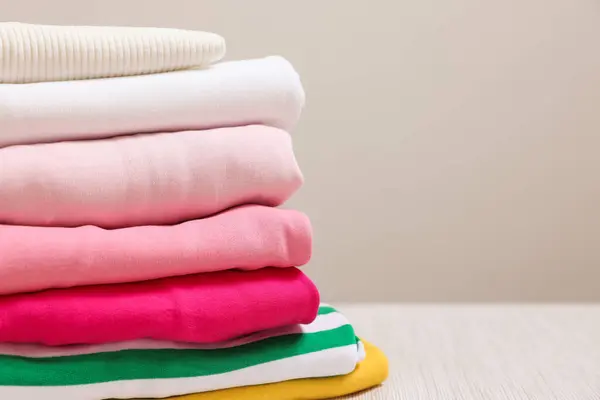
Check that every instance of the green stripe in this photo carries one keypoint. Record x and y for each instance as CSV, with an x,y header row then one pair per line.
x,y
326,310
164,363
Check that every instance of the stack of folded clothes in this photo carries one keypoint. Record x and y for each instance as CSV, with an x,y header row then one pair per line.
x,y
141,253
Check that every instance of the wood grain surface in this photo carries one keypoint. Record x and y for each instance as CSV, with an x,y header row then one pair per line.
x,y
495,352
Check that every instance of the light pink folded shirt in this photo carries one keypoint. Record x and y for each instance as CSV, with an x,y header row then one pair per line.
x,y
247,237
146,179
201,308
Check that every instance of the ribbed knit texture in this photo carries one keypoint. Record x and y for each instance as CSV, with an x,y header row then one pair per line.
x,y
37,53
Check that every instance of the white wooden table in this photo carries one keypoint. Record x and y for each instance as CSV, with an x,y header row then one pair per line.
x,y
491,352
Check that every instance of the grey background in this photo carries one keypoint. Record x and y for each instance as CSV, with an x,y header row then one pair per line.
x,y
451,148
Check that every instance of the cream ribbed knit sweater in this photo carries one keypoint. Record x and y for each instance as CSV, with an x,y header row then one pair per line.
x,y
36,53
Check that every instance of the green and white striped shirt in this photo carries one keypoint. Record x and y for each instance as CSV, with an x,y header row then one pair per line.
x,y
145,368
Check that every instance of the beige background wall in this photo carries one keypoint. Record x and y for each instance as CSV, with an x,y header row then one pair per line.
x,y
451,147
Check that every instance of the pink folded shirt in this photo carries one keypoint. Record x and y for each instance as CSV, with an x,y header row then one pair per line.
x,y
247,237
146,179
201,308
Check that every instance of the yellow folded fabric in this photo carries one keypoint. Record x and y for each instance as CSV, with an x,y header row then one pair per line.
x,y
370,372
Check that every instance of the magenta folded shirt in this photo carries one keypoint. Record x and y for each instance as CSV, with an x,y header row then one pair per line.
x,y
201,308
247,237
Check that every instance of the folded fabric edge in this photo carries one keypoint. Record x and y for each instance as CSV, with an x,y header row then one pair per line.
x,y
369,373
26,245
323,363
328,318
198,48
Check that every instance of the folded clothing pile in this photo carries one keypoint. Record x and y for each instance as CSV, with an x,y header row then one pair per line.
x,y
141,251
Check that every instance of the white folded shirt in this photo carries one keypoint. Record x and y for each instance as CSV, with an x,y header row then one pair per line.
x,y
264,91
